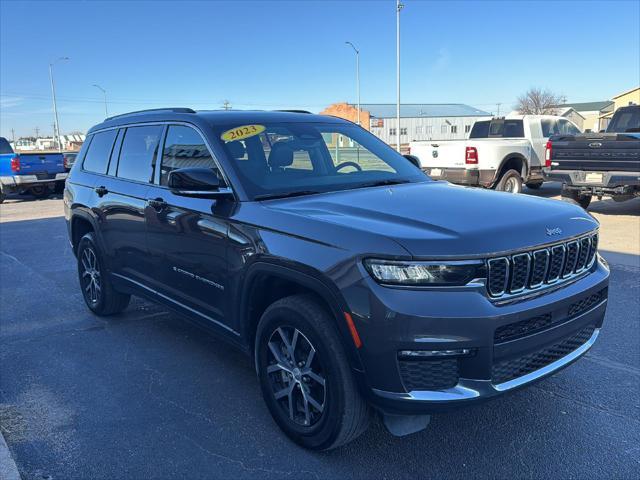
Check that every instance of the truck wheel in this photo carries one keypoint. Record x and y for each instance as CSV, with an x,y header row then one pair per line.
x,y
511,181
2,195
97,290
305,377
574,196
39,191
534,186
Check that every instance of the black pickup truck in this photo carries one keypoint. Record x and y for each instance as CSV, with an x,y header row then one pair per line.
x,y
598,164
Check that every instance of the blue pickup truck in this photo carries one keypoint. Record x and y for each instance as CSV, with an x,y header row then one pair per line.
x,y
34,173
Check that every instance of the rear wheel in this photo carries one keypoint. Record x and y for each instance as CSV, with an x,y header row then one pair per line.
x,y
97,290
511,181
305,377
2,194
574,196
39,191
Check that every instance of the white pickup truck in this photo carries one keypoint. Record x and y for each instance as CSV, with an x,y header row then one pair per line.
x,y
502,153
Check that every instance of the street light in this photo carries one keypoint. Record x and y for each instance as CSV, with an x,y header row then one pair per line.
x,y
104,92
357,75
56,124
399,7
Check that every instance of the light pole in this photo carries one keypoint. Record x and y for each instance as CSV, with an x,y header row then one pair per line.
x,y
399,7
55,107
104,92
357,75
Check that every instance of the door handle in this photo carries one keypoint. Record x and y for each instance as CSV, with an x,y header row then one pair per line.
x,y
101,191
158,204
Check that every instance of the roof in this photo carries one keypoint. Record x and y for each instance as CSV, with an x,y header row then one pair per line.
x,y
416,110
212,117
627,92
588,106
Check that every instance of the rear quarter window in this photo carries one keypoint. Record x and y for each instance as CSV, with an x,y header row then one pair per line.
x,y
99,151
5,147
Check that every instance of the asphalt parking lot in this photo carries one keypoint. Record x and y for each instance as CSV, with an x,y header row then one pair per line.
x,y
147,395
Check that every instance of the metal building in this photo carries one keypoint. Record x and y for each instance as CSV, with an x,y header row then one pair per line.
x,y
447,121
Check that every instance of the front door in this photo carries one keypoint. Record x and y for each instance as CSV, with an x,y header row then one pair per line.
x,y
186,236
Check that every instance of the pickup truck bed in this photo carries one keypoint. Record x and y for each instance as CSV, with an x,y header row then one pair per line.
x,y
35,173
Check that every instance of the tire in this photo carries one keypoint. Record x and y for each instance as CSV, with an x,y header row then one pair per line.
x,y
574,196
97,290
39,191
511,181
2,195
344,415
59,188
534,186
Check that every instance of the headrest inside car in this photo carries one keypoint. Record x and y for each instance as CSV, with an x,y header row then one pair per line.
x,y
281,155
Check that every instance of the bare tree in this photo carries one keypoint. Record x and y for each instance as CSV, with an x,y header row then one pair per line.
x,y
537,101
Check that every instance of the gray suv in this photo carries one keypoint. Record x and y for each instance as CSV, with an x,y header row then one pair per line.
x,y
355,282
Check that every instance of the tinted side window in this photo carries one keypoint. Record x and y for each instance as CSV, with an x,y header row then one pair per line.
x,y
97,157
549,128
4,146
565,127
139,148
184,148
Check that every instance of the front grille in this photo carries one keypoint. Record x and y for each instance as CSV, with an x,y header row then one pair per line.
x,y
522,328
531,270
428,374
587,303
518,367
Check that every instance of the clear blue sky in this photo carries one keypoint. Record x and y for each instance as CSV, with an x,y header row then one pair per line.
x,y
292,54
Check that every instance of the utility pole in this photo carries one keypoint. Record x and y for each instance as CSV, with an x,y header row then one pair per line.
x,y
357,75
226,105
104,92
56,128
37,132
399,7
13,136
498,114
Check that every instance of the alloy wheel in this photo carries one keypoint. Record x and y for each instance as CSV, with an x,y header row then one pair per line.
x,y
90,275
296,376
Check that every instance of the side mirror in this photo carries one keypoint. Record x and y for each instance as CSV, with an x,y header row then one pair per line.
x,y
196,182
413,159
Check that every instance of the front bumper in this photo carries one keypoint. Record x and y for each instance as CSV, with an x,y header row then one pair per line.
x,y
464,319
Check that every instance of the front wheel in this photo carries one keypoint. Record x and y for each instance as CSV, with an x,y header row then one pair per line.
x,y
305,377
574,196
511,181
97,291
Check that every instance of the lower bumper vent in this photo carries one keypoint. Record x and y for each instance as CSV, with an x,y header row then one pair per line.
x,y
518,367
428,374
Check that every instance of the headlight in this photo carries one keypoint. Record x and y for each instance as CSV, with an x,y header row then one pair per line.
x,y
424,273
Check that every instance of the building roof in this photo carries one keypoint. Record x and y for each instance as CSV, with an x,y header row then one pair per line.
x,y
627,92
588,106
417,110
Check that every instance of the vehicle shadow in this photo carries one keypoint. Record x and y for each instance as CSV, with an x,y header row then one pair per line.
x,y
19,198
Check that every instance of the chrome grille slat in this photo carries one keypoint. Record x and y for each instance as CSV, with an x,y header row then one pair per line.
x,y
535,269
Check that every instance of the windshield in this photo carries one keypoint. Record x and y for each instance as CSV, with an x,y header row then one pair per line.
x,y
281,159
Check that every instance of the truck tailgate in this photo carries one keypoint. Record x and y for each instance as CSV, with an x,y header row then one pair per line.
x,y
607,152
43,165
443,154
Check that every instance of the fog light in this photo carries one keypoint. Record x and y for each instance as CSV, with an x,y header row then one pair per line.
x,y
460,352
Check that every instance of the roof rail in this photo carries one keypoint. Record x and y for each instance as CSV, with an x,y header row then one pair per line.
x,y
169,109
294,111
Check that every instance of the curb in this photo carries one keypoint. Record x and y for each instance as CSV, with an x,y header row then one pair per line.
x,y
8,469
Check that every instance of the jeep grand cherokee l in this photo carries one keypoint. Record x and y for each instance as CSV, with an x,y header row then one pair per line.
x,y
355,282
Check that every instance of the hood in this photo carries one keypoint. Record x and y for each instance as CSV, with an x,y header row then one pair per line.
x,y
437,219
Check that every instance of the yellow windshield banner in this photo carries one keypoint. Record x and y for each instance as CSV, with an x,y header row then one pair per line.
x,y
240,133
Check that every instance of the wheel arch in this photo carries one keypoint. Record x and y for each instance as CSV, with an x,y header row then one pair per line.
x,y
80,224
266,282
515,161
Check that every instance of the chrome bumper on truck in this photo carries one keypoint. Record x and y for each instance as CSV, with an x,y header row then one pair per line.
x,y
24,181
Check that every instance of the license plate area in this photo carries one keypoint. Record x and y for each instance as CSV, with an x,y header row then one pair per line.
x,y
592,177
436,172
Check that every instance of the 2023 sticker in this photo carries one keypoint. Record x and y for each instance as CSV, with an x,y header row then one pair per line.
x,y
240,133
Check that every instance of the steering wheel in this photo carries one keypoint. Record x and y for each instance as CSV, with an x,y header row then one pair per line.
x,y
348,164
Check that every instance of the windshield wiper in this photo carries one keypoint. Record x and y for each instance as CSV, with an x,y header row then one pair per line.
x,y
381,183
295,193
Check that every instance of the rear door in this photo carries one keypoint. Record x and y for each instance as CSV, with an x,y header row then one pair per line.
x,y
187,236
122,196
